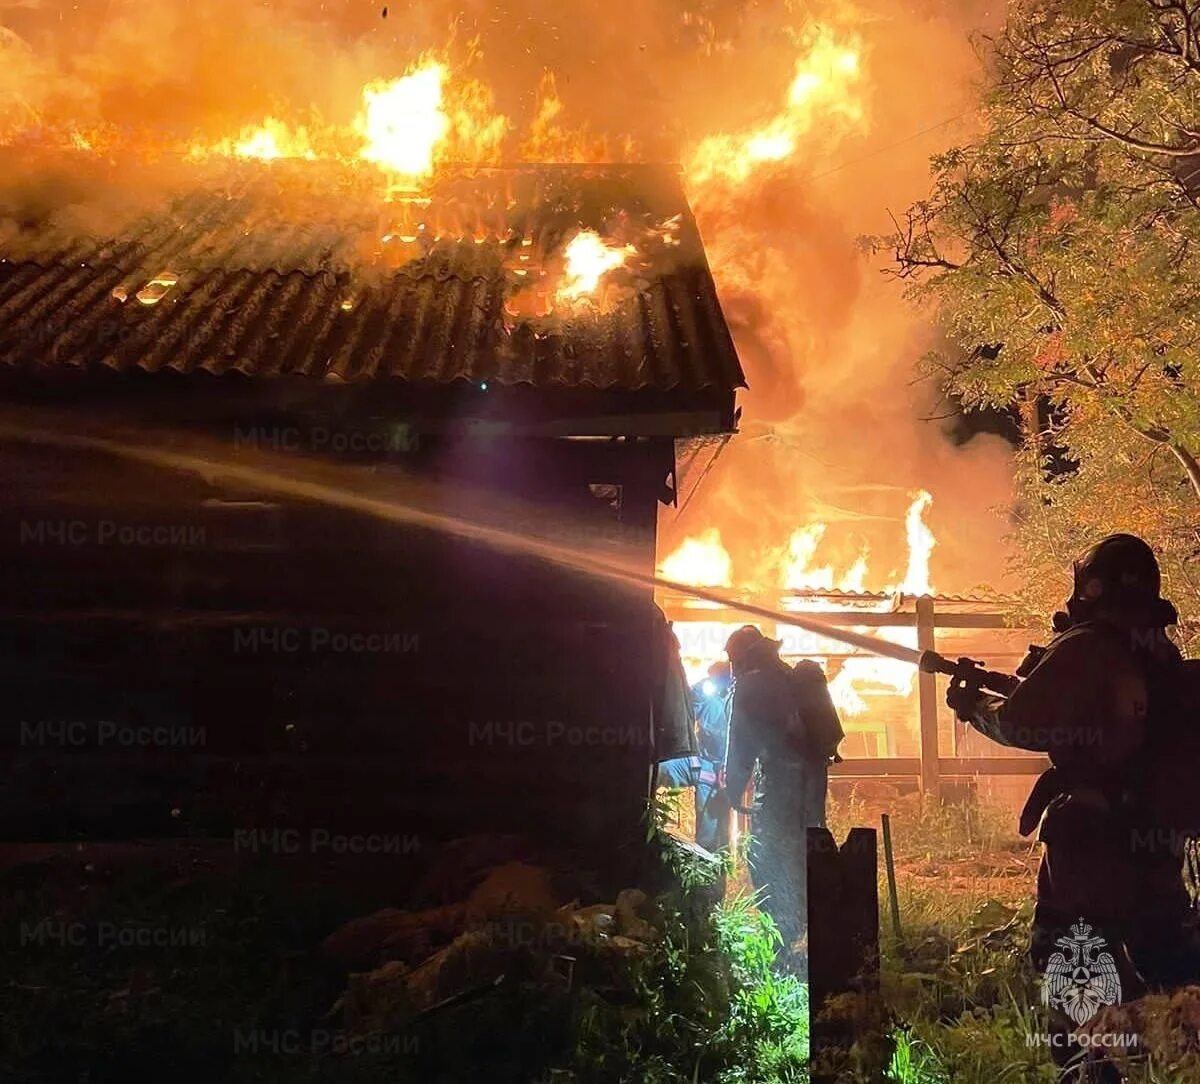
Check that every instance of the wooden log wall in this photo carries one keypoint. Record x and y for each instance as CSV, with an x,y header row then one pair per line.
x,y
179,660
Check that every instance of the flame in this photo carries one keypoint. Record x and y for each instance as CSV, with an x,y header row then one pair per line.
x,y
270,141
855,577
156,289
544,130
822,90
408,126
856,681
864,677
701,561
273,139
548,139
476,132
920,546
403,121
588,259
800,575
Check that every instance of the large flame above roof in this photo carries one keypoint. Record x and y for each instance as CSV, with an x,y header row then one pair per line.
x,y
823,91
403,121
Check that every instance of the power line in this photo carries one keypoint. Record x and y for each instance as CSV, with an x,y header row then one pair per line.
x,y
884,149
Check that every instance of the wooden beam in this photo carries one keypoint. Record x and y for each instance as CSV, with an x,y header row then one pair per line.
x,y
973,621
838,618
676,611
927,698
877,767
962,767
948,767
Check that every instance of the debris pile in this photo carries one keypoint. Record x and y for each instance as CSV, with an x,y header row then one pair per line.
x,y
513,927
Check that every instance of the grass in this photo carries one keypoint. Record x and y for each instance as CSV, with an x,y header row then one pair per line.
x,y
703,1003
769,1011
959,994
961,997
245,996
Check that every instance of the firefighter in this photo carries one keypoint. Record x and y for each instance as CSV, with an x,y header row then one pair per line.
x,y
710,703
782,720
1109,700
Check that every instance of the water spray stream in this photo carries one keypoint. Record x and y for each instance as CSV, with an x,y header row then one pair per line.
x,y
281,485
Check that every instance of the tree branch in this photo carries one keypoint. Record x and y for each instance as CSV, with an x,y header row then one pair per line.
x,y
1190,467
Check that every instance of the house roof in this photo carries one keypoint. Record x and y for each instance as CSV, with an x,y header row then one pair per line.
x,y
284,272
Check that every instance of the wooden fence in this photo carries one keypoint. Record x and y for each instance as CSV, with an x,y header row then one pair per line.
x,y
929,616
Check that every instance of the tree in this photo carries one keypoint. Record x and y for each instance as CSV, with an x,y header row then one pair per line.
x,y
1060,249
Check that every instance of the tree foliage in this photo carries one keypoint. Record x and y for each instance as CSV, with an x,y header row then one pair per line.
x,y
1060,249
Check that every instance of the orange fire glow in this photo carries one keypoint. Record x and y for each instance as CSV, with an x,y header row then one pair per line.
x,y
273,139
702,560
406,126
588,259
270,141
157,288
920,546
813,96
403,120
822,91
801,575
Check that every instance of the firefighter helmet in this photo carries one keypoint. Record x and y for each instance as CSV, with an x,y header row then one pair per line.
x,y
1119,570
745,640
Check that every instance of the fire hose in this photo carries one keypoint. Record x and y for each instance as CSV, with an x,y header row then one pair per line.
x,y
963,672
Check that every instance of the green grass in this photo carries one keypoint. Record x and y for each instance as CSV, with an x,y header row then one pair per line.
x,y
703,1003
768,1018
961,996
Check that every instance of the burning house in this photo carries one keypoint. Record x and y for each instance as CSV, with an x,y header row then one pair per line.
x,y
251,441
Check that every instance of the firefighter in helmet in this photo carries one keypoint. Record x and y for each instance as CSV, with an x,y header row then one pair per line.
x,y
783,720
1109,701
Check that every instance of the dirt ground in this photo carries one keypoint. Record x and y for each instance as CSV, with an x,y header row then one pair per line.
x,y
1006,876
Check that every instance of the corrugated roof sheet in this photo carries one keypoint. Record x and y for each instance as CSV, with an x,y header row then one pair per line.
x,y
275,275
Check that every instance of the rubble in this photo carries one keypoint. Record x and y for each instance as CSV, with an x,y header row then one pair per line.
x,y
1166,1027
391,934
513,887
629,923
510,928
410,936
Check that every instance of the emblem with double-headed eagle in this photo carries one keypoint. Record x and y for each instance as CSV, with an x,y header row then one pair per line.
x,y
1082,978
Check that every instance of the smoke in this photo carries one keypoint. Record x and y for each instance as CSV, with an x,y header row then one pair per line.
x,y
832,427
